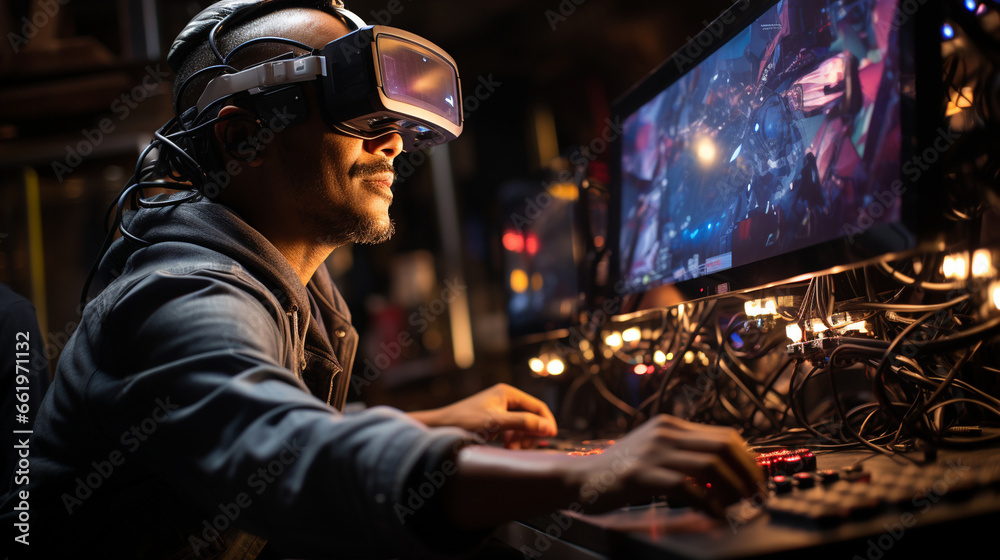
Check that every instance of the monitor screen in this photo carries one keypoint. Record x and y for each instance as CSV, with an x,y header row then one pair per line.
x,y
784,138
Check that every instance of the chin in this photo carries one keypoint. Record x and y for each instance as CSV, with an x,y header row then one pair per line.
x,y
375,232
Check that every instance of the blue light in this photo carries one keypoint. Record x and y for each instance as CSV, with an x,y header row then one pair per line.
x,y
737,340
948,31
971,5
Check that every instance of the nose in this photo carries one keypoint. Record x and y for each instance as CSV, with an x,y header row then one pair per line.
x,y
389,145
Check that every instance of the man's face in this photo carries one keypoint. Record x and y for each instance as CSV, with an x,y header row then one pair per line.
x,y
340,185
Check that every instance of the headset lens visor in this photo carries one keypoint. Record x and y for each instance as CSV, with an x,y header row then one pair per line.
x,y
373,81
382,79
414,75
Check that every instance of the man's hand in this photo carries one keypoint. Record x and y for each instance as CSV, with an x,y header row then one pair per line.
x,y
501,409
706,467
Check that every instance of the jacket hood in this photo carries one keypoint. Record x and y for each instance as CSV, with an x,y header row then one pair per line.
x,y
213,227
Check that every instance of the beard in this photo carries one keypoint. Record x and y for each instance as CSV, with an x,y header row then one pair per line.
x,y
365,230
353,225
356,222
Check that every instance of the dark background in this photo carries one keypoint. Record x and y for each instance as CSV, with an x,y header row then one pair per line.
x,y
69,67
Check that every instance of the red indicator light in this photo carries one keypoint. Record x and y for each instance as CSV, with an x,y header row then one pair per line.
x,y
513,241
531,244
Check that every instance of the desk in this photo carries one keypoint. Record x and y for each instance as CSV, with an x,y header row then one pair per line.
x,y
957,512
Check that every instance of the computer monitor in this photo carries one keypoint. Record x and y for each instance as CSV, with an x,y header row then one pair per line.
x,y
778,143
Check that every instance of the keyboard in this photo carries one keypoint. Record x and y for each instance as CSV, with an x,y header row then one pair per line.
x,y
830,497
842,504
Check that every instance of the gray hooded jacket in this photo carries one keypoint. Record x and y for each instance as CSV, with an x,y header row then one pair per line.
x,y
194,414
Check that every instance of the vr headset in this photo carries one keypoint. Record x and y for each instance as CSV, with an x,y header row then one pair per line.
x,y
373,81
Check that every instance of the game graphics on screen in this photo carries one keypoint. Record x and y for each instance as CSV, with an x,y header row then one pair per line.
x,y
771,144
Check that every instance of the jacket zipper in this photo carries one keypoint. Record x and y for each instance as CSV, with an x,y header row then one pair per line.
x,y
299,357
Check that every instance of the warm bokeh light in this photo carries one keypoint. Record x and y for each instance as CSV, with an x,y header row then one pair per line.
x,y
631,334
555,366
536,365
536,282
613,340
518,281
982,263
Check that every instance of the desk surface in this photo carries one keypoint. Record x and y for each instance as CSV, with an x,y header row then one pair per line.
x,y
951,506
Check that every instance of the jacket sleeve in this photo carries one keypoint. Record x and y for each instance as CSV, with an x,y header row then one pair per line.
x,y
192,371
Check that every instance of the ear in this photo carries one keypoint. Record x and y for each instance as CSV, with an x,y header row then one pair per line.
x,y
237,133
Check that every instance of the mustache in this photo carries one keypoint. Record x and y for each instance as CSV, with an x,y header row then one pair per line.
x,y
371,169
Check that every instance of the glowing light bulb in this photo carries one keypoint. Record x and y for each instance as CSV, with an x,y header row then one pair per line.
x,y
536,365
948,266
981,263
659,357
961,267
955,266
614,339
770,306
793,332
631,334
555,366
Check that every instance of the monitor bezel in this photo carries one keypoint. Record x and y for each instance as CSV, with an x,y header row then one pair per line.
x,y
921,226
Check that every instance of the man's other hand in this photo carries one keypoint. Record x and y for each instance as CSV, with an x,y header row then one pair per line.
x,y
501,409
704,466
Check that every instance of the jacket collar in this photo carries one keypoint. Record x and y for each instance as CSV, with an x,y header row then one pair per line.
x,y
323,359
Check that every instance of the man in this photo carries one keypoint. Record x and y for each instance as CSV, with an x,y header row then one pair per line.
x,y
191,412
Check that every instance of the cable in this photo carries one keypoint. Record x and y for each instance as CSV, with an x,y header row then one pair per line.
x,y
835,394
932,286
902,307
611,398
656,397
